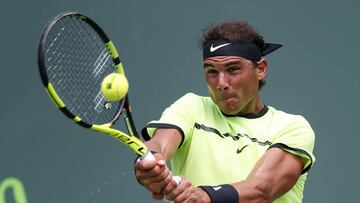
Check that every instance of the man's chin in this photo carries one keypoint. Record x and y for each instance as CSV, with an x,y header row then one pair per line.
x,y
230,112
228,108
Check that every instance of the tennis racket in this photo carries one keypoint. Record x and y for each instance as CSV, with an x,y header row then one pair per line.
x,y
74,56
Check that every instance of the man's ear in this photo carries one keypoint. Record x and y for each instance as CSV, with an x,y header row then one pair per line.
x,y
262,69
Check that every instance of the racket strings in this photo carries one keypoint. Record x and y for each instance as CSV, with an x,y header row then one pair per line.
x,y
77,61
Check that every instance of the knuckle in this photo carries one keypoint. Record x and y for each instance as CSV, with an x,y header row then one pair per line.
x,y
157,170
168,178
154,189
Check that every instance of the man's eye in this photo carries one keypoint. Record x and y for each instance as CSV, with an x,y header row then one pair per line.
x,y
211,72
233,69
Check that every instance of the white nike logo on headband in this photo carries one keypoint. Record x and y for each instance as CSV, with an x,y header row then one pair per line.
x,y
216,188
212,49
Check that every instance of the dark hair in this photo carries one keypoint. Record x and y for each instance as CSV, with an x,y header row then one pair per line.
x,y
233,31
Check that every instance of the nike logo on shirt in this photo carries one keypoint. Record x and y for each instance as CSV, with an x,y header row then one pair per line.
x,y
240,150
212,48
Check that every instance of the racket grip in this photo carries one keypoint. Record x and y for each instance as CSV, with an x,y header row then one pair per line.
x,y
177,180
149,156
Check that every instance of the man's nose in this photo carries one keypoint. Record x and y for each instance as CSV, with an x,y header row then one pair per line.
x,y
223,82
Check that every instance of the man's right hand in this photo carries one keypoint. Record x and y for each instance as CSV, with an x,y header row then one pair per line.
x,y
153,175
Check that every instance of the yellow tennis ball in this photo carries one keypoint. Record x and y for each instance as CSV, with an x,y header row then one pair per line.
x,y
114,87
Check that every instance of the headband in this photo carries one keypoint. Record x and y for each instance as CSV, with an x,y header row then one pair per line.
x,y
247,50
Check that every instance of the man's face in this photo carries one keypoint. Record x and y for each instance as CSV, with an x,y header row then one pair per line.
x,y
233,83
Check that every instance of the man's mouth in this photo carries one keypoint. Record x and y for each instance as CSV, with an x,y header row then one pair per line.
x,y
225,97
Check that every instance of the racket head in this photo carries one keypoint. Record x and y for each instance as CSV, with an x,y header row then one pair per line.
x,y
74,56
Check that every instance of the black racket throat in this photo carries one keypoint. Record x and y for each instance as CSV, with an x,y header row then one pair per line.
x,y
128,118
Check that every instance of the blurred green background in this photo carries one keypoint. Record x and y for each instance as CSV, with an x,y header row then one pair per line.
x,y
315,74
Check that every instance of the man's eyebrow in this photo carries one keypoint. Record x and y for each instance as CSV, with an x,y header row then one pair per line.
x,y
229,63
208,64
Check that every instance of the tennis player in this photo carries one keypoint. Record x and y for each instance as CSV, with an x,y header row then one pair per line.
x,y
229,147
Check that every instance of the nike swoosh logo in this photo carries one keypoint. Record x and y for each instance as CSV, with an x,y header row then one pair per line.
x,y
240,150
217,188
212,48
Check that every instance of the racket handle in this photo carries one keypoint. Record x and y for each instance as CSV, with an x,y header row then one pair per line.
x,y
150,157
177,180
